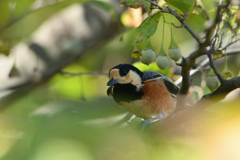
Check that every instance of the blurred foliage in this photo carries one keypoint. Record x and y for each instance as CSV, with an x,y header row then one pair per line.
x,y
19,18
70,117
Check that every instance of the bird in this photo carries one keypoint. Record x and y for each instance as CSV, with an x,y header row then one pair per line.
x,y
148,95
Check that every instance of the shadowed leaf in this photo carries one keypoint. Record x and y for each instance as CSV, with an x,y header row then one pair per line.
x,y
186,6
136,4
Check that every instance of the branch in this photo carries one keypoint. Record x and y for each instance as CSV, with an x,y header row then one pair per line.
x,y
226,87
189,61
159,7
18,90
213,66
187,115
229,44
204,64
203,9
184,24
181,20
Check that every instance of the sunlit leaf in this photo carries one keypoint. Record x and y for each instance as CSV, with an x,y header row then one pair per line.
x,y
136,4
227,74
186,6
136,52
147,28
218,54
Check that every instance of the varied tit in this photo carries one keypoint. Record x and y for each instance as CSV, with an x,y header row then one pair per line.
x,y
148,95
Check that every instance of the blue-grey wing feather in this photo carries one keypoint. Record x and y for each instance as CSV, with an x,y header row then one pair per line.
x,y
172,88
150,75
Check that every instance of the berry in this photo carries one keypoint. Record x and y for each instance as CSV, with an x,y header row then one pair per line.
x,y
147,57
162,62
174,53
212,82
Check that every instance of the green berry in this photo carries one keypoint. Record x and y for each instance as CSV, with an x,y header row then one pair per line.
x,y
162,62
174,53
212,82
147,57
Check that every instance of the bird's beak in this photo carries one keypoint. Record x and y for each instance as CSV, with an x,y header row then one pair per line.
x,y
112,82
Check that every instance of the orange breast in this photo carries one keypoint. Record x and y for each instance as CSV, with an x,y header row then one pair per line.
x,y
156,98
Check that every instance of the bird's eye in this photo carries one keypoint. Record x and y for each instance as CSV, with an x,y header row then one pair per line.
x,y
123,72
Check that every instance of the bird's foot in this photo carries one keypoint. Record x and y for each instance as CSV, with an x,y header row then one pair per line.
x,y
161,115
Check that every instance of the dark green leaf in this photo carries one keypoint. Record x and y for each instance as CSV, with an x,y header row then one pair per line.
x,y
186,6
147,28
136,4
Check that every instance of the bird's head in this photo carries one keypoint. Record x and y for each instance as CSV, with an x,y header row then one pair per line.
x,y
125,74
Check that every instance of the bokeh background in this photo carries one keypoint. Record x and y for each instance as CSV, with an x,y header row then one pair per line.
x,y
54,60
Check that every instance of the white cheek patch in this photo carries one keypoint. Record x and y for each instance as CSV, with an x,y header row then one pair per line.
x,y
136,80
132,77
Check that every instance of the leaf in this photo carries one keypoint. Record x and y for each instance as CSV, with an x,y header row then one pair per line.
x,y
227,74
136,4
186,6
147,28
218,54
136,52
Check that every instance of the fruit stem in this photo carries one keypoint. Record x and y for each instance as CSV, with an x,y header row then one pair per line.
x,y
173,43
148,45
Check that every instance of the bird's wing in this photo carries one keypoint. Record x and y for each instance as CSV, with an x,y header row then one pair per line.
x,y
172,88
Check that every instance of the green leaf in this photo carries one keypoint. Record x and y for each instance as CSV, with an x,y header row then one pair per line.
x,y
218,54
147,28
136,4
186,6
136,53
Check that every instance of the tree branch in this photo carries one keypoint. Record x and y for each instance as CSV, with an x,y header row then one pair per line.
x,y
184,24
226,87
189,114
181,20
213,66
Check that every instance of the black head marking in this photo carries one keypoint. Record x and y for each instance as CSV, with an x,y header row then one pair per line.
x,y
125,68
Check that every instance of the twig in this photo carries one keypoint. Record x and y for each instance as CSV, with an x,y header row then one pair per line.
x,y
214,67
229,44
204,10
215,37
177,26
204,64
159,7
169,10
184,24
223,89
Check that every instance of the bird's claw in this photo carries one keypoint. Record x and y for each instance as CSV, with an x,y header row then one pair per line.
x,y
161,115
